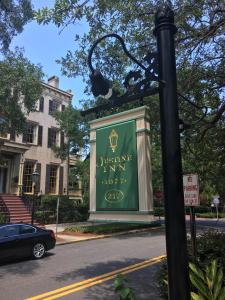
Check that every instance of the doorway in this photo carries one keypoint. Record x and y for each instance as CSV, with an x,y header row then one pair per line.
x,y
3,178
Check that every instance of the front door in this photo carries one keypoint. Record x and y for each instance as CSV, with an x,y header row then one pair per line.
x,y
3,178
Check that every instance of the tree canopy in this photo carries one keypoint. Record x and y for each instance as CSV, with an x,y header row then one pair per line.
x,y
20,88
200,54
72,125
14,14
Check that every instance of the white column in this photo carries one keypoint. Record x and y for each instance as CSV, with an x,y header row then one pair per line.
x,y
93,171
20,180
144,166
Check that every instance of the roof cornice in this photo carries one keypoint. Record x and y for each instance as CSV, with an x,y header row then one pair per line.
x,y
57,89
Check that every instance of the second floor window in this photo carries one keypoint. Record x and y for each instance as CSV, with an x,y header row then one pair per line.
x,y
53,106
30,136
30,133
53,136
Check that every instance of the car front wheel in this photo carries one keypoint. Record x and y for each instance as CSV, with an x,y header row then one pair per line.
x,y
38,250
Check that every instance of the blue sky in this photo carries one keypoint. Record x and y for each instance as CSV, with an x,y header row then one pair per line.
x,y
44,44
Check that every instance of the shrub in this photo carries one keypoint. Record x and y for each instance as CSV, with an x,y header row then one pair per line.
x,y
69,211
210,215
207,283
198,210
210,246
159,211
122,288
109,227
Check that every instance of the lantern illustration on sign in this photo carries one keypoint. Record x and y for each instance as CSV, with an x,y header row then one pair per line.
x,y
113,139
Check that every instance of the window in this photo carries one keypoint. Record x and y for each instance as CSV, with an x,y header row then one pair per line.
x,y
27,177
30,135
41,104
53,106
52,179
53,137
26,229
9,230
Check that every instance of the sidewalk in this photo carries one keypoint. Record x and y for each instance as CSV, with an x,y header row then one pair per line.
x,y
63,239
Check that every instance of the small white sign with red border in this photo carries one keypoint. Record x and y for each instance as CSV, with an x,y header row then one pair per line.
x,y
191,190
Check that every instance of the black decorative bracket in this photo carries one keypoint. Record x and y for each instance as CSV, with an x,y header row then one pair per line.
x,y
137,84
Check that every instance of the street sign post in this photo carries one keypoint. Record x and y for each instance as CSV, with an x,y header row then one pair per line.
x,y
216,203
191,199
57,217
191,190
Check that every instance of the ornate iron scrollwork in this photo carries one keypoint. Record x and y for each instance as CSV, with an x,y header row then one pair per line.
x,y
138,83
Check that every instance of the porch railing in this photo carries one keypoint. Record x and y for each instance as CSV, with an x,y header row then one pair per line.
x,y
4,211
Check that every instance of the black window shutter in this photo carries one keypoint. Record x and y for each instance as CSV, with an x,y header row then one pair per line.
x,y
41,104
40,133
39,182
61,181
12,135
62,139
50,106
47,179
63,107
24,137
49,138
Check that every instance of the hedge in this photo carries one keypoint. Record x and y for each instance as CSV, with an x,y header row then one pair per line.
x,y
69,210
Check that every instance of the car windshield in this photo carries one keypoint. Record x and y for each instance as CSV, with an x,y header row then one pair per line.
x,y
9,230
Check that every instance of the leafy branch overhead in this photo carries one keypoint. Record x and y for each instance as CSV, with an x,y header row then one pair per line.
x,y
199,42
200,54
14,14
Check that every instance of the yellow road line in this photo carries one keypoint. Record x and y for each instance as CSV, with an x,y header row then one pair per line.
x,y
95,280
99,281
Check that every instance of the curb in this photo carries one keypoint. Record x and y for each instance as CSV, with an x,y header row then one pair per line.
x,y
103,236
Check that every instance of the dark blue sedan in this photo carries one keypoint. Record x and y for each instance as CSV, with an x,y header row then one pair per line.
x,y
23,240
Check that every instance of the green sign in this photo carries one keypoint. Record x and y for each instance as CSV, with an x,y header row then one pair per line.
x,y
116,167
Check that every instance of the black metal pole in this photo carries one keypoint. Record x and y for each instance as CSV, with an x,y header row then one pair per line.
x,y
193,231
32,212
176,242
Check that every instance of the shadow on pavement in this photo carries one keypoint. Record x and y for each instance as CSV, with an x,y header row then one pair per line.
x,y
143,281
22,266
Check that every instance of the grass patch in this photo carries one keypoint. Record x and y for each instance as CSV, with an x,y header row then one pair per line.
x,y
108,228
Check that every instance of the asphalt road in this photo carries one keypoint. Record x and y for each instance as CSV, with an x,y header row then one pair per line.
x,y
74,263
88,267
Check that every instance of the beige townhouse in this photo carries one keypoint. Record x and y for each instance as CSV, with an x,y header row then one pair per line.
x,y
22,154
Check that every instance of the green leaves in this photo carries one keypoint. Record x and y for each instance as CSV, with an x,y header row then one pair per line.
x,y
14,15
73,126
209,283
120,284
20,88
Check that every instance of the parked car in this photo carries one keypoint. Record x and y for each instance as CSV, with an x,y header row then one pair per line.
x,y
23,240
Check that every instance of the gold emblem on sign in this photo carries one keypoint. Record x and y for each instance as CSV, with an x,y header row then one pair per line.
x,y
113,139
